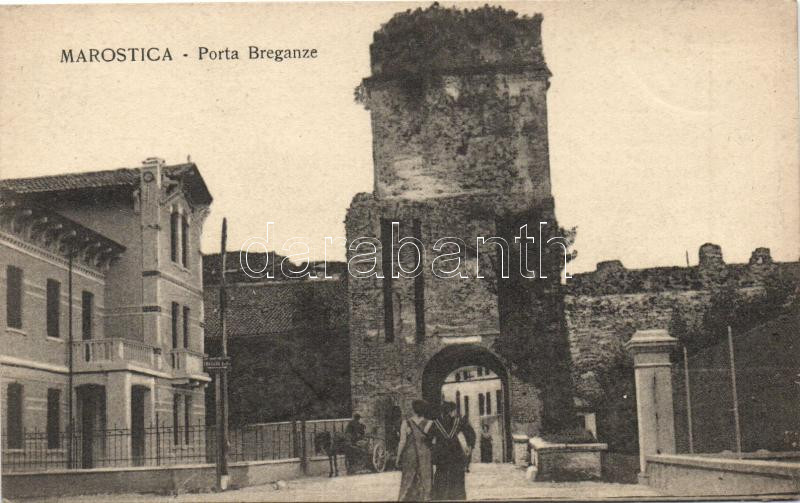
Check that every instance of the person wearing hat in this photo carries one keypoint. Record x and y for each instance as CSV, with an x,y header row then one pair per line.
x,y
355,430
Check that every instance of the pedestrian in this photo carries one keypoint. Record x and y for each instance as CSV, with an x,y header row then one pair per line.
x,y
414,454
453,443
486,444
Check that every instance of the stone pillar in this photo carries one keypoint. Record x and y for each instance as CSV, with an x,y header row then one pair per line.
x,y
521,450
651,350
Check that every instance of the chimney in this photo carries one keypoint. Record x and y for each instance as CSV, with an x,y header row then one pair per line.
x,y
149,205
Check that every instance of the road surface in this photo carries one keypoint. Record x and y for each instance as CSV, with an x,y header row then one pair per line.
x,y
485,481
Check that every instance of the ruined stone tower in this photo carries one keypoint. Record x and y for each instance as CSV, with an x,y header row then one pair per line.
x,y
459,123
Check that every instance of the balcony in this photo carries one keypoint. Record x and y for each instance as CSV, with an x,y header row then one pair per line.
x,y
107,354
186,362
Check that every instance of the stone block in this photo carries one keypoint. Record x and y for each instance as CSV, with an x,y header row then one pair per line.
x,y
560,462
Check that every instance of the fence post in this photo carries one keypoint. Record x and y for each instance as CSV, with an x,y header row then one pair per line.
x,y
303,450
295,453
158,444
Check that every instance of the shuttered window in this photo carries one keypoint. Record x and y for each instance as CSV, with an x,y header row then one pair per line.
x,y
14,401
53,418
184,241
174,223
53,308
87,308
186,313
13,297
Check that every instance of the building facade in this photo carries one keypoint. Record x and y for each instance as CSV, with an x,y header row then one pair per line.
x,y
102,281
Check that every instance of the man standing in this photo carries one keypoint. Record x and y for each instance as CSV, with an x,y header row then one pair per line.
x,y
453,443
355,430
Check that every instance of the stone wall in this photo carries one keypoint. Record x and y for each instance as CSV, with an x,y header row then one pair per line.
x,y
605,307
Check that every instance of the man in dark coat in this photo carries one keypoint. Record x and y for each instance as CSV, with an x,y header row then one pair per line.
x,y
450,453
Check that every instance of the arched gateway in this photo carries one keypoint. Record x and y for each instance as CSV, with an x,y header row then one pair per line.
x,y
453,358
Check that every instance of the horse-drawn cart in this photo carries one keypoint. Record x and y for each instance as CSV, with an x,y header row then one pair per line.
x,y
369,453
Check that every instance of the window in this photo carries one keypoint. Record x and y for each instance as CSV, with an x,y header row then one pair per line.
x,y
458,402
14,416
53,418
176,414
187,417
87,307
458,376
13,297
488,403
173,235
480,371
176,313
386,266
184,241
481,404
466,406
53,307
499,401
186,327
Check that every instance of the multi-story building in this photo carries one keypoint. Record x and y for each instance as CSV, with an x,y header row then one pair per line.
x,y
102,330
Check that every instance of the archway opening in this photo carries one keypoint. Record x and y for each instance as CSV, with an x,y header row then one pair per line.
x,y
477,381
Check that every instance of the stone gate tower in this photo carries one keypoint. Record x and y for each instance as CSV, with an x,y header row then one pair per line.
x,y
459,123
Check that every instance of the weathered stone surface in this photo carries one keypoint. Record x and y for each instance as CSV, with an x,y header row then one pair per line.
x,y
459,121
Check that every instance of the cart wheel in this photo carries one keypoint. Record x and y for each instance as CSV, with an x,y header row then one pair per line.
x,y
378,460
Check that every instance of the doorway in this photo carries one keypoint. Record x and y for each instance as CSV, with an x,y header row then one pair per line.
x,y
138,400
91,400
476,380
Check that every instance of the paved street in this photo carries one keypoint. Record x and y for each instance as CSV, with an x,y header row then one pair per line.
x,y
490,481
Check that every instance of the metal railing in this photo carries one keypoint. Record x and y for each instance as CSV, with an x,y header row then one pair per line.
x,y
160,445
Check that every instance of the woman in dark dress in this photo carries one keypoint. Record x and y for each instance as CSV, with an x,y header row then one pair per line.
x,y
453,440
414,455
486,444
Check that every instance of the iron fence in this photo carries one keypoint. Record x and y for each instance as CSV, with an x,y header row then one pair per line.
x,y
735,399
160,445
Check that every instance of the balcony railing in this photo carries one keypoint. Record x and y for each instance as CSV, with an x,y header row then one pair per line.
x,y
186,361
88,353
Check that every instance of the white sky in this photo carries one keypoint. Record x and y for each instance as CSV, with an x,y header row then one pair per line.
x,y
671,124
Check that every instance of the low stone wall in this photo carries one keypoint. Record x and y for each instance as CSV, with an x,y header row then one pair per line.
x,y
162,480
685,475
566,461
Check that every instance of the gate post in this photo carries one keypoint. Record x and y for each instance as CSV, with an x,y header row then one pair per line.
x,y
303,450
651,350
